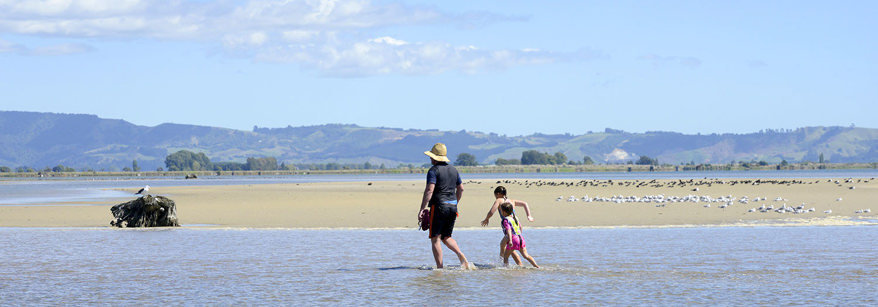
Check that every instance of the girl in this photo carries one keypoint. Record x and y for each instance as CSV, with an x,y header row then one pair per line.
x,y
513,235
499,198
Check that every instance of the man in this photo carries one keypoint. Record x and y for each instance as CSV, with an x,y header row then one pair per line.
x,y
442,194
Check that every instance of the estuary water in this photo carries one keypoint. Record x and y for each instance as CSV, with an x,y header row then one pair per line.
x,y
612,266
760,265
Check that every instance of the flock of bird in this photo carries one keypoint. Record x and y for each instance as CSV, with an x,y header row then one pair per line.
x,y
723,202
679,183
694,185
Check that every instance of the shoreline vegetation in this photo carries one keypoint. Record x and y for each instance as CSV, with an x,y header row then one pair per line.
x,y
595,168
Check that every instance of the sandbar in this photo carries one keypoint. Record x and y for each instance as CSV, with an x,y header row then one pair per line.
x,y
554,203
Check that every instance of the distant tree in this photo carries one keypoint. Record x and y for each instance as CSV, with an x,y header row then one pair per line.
x,y
5,169
126,169
558,158
262,164
228,166
185,160
587,160
134,166
24,169
466,159
821,158
501,161
644,160
531,157
367,165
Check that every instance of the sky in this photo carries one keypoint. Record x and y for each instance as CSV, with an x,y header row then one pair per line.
x,y
507,67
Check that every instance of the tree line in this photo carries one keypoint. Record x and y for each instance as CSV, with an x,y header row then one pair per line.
x,y
534,157
185,160
528,157
189,161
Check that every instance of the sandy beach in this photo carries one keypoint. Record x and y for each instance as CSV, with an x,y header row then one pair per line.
x,y
555,203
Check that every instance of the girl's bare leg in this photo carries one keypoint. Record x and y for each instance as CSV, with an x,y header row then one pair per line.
x,y
515,257
503,251
528,257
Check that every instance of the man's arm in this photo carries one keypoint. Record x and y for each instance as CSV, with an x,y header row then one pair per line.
x,y
428,194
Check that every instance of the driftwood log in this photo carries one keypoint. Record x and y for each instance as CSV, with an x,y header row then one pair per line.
x,y
146,211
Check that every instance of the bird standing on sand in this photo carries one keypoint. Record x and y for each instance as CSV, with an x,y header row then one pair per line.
x,y
143,191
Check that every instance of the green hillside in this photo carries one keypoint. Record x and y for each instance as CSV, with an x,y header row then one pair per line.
x,y
87,142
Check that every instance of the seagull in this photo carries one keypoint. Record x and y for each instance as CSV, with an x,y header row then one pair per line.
x,y
142,191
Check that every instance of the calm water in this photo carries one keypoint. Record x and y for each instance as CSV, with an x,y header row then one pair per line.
x,y
661,266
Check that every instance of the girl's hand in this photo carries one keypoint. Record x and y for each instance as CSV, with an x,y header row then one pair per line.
x,y
484,222
530,218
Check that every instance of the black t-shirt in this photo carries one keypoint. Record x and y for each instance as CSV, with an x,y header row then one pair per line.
x,y
446,179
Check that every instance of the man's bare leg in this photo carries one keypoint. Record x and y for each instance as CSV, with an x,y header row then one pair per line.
x,y
452,245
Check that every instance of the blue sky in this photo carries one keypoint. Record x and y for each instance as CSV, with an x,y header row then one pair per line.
x,y
508,67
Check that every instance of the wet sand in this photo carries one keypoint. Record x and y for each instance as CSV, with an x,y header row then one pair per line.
x,y
394,204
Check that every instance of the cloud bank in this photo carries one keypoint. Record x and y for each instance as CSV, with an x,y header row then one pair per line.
x,y
333,37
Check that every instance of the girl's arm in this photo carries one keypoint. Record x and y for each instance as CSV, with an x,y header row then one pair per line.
x,y
522,203
491,212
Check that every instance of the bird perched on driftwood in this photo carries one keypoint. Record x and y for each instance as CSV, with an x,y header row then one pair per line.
x,y
143,191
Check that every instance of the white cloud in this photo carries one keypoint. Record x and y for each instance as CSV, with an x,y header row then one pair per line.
x,y
334,37
298,36
62,49
50,50
9,47
388,40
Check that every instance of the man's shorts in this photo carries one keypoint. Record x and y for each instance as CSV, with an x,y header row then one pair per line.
x,y
442,217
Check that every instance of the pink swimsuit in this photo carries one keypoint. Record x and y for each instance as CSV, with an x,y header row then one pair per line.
x,y
516,242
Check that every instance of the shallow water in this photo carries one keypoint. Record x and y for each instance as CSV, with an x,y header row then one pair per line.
x,y
661,266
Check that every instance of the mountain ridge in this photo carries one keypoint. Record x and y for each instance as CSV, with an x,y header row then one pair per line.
x,y
87,141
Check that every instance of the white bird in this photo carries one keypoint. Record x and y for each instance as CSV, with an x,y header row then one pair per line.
x,y
828,211
144,190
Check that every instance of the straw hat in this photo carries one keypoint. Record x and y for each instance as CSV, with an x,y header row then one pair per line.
x,y
438,153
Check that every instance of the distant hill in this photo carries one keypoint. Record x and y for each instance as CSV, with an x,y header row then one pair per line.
x,y
82,141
